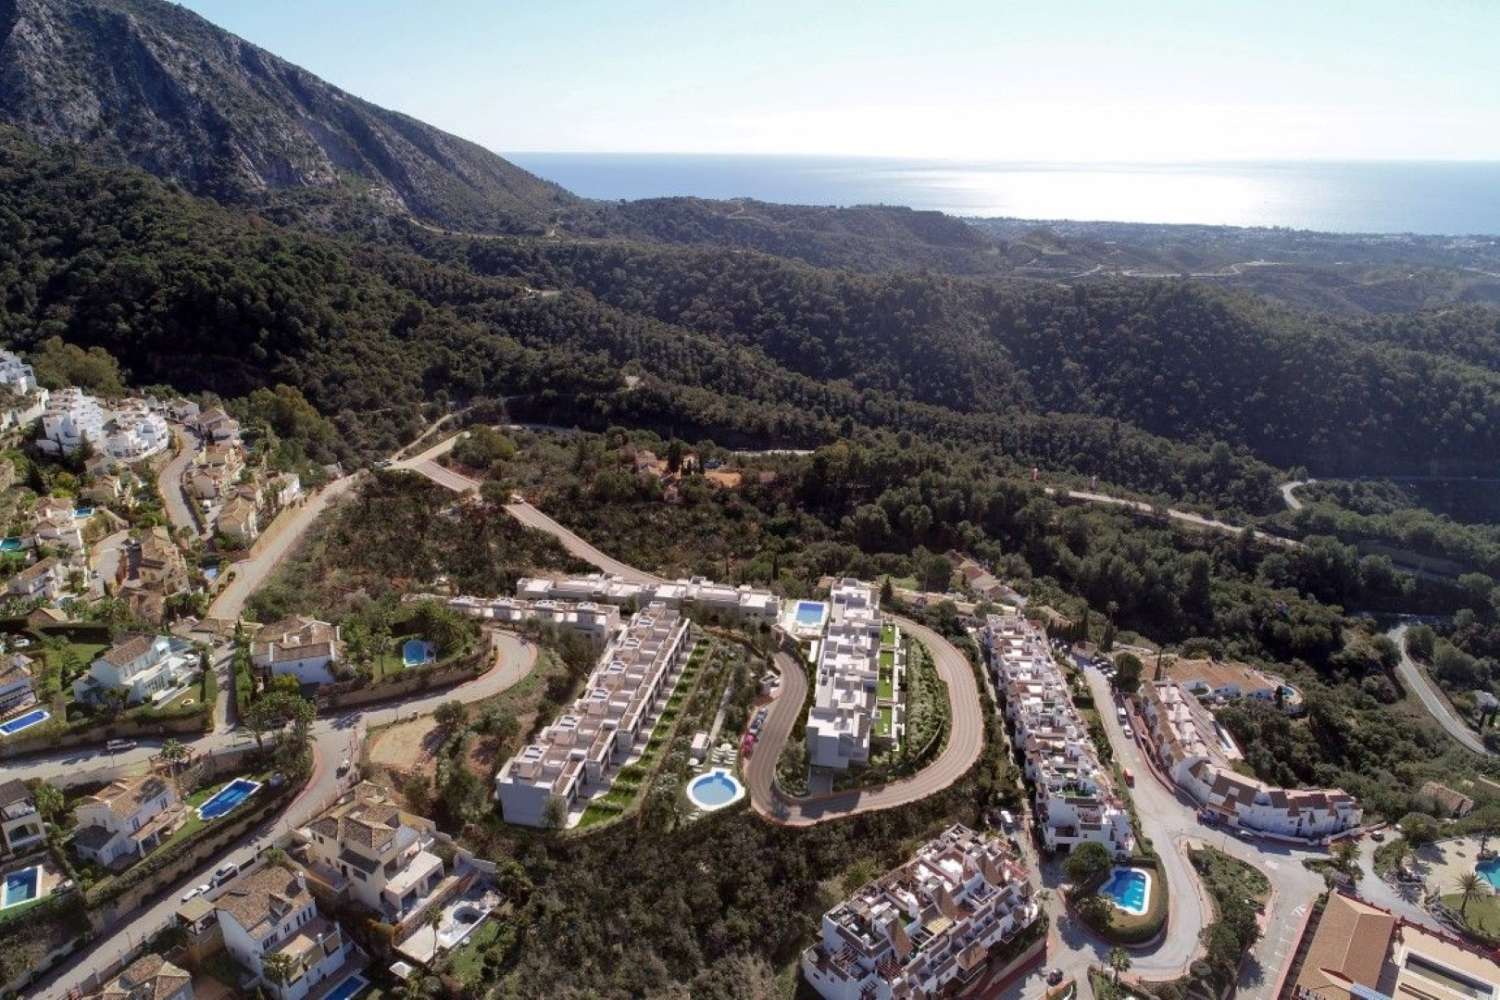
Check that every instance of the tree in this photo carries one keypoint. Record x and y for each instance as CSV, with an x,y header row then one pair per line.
x,y
450,714
279,967
1418,828
174,753
1119,960
1344,854
1086,861
1398,852
1128,669
1420,640
1470,886
49,800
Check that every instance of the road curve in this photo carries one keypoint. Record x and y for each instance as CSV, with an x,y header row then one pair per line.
x,y
760,770
577,547
333,739
1183,516
965,743
1288,492
169,484
1432,699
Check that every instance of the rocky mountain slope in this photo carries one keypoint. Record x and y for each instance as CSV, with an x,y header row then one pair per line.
x,y
157,86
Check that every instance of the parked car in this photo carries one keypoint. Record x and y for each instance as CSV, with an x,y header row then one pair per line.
x,y
119,746
224,873
1377,835
1129,733
343,767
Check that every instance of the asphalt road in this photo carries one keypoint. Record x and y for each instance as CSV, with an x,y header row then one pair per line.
x,y
1288,493
1432,699
334,739
965,743
169,483
1183,516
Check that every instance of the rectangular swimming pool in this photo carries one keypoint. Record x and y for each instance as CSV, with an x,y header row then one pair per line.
x,y
228,797
810,613
20,887
20,722
348,988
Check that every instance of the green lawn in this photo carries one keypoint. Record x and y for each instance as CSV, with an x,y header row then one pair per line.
x,y
1482,914
467,963
888,634
887,686
883,721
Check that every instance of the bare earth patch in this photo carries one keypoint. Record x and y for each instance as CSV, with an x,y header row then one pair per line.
x,y
408,747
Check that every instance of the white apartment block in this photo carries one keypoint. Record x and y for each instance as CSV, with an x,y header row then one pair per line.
x,y
128,432
1199,756
270,911
595,622
845,691
146,668
18,377
744,603
135,431
382,853
1074,799
926,929
15,374
126,819
71,418
580,753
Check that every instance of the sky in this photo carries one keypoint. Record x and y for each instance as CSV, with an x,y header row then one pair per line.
x,y
1063,81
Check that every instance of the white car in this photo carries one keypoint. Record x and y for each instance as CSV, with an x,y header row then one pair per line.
x,y
196,890
1129,733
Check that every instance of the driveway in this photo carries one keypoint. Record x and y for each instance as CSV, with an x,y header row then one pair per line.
x,y
965,743
1432,699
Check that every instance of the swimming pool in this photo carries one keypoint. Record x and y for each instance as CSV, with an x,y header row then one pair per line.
x,y
11,544
20,722
20,887
810,613
228,797
82,512
715,790
415,652
1490,872
348,988
1127,888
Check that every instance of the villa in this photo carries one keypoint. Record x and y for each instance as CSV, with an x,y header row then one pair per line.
x,y
271,912
127,819
382,855
216,427
20,824
845,711
216,468
1199,756
1227,681
55,523
595,622
16,691
929,928
43,579
128,432
146,668
580,752
284,489
303,647
239,521
135,431
743,603
149,977
1075,800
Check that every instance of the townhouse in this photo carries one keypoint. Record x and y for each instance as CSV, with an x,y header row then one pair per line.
x,y
595,622
929,928
845,709
42,580
271,912
145,668
1199,756
21,826
215,471
743,603
150,977
16,676
1074,797
580,753
129,431
71,419
302,647
28,400
126,819
383,856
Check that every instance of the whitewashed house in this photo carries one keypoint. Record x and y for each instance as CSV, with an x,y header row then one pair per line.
x,y
43,580
383,852
72,418
21,825
16,691
302,647
270,911
135,431
146,668
127,819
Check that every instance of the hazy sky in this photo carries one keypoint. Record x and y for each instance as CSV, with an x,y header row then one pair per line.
x,y
978,79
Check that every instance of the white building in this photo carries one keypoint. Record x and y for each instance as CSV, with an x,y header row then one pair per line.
x,y
30,399
382,853
580,753
16,691
845,710
43,579
929,927
270,911
72,417
15,374
135,431
126,819
1199,756
303,647
284,489
744,603
146,668
55,524
20,824
595,622
1075,800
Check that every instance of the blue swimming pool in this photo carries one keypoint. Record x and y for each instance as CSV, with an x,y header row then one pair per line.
x,y
1490,872
415,652
82,512
20,722
715,789
11,544
227,798
1128,889
810,613
348,988
20,887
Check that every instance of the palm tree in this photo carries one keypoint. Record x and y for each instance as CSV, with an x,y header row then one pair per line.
x,y
174,753
49,801
1469,887
279,967
1398,852
418,987
1119,960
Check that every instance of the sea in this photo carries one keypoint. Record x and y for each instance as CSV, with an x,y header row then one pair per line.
x,y
1435,198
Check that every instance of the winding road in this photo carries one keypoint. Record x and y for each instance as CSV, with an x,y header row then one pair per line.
x,y
1288,492
1432,699
1182,516
965,743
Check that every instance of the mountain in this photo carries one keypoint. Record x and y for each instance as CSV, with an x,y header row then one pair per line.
x,y
155,85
